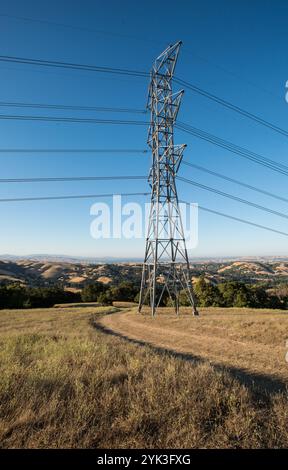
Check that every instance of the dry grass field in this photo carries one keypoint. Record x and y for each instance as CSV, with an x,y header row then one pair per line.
x,y
65,382
249,341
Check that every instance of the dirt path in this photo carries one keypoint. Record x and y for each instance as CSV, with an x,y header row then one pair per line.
x,y
201,338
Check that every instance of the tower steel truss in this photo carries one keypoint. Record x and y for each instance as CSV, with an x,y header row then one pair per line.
x,y
166,264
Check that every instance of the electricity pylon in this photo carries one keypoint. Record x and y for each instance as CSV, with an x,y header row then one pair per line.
x,y
166,264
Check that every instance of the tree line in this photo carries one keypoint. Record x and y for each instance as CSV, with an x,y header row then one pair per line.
x,y
236,294
226,294
16,296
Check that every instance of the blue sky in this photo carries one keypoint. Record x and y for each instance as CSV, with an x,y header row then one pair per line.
x,y
236,50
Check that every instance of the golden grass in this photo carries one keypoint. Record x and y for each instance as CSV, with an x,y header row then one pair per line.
x,y
124,304
65,384
252,340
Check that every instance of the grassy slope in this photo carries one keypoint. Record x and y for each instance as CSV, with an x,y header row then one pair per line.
x,y
251,340
65,384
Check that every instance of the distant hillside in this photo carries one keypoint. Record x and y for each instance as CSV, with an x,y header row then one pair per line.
x,y
69,275
76,275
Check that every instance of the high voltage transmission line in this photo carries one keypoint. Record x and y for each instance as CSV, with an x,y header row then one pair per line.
x,y
231,106
138,73
230,196
142,39
145,151
13,104
233,180
140,177
135,177
245,153
17,117
199,133
91,196
78,28
70,178
241,151
238,219
69,65
128,151
185,127
56,198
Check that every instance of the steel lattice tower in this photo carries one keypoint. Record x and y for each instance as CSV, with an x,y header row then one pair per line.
x,y
166,263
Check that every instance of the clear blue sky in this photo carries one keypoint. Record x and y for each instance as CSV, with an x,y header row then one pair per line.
x,y
236,50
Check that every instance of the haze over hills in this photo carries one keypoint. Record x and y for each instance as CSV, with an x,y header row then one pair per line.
x,y
111,259
67,258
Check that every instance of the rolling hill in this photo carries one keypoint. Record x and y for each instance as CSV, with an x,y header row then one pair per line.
x,y
76,275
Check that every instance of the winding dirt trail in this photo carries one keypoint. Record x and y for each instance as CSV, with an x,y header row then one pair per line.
x,y
253,344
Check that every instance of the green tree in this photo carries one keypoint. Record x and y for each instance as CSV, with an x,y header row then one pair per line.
x,y
236,294
15,297
208,295
105,298
91,292
125,291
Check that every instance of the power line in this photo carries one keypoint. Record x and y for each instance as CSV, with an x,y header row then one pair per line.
x,y
234,198
207,136
256,158
238,219
132,151
239,78
137,38
231,106
11,104
70,178
81,196
81,28
142,39
138,73
133,177
92,196
245,153
69,65
17,117
183,179
232,180
241,151
130,177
